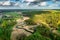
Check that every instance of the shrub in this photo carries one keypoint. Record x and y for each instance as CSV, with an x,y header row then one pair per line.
x,y
29,22
51,19
39,34
42,32
21,37
6,29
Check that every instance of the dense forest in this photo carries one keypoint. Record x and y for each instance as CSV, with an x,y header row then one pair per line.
x,y
48,25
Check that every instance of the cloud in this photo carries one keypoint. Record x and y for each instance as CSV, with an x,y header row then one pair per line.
x,y
43,4
6,3
30,0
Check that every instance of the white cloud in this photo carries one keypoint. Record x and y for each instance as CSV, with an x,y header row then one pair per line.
x,y
6,3
30,0
43,3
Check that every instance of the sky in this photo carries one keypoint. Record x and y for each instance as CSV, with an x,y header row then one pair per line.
x,y
46,4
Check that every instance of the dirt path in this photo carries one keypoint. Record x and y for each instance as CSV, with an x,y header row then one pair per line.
x,y
17,31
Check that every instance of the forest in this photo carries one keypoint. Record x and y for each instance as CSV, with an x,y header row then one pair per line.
x,y
47,25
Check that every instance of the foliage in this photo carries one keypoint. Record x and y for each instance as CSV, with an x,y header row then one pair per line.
x,y
29,22
39,34
45,19
21,37
6,26
51,19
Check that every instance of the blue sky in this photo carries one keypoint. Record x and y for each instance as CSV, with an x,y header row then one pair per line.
x,y
50,2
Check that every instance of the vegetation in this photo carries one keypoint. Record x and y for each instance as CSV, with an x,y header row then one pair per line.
x,y
7,22
29,22
15,15
48,25
6,29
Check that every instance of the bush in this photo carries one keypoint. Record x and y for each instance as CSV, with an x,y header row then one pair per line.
x,y
51,19
42,32
29,22
21,37
6,29
39,34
